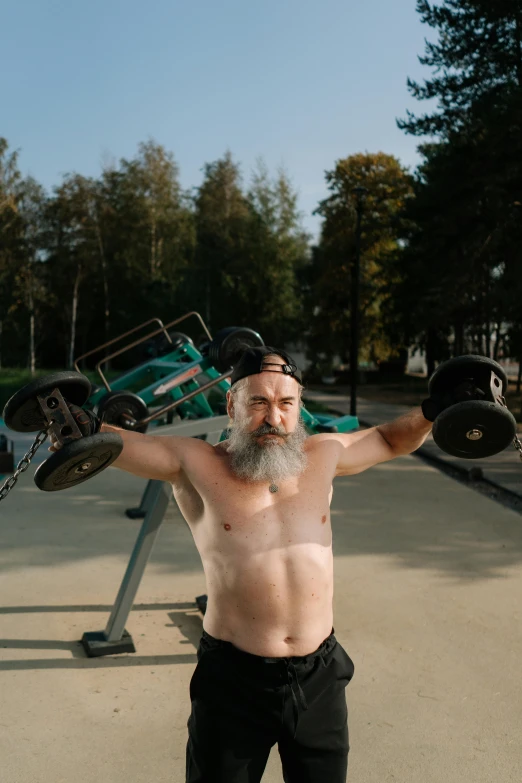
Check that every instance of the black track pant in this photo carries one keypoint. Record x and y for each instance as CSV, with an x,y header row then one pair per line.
x,y
242,704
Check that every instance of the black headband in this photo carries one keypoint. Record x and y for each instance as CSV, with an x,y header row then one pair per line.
x,y
252,362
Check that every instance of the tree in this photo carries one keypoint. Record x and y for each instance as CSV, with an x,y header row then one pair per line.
x,y
476,60
468,184
249,250
222,220
281,249
30,279
153,179
390,186
73,253
139,234
15,252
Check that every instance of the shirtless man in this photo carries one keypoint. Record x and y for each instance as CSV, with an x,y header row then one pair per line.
x,y
269,667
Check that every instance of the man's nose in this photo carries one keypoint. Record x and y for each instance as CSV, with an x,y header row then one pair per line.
x,y
273,417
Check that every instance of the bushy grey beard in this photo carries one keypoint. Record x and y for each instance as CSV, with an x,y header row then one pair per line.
x,y
272,461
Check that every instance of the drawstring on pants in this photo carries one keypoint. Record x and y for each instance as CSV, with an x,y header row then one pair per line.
x,y
294,681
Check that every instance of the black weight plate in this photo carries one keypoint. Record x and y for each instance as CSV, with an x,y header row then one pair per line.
x,y
178,339
22,412
450,374
159,345
114,405
78,461
229,344
496,425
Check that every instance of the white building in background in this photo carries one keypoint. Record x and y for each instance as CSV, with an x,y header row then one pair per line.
x,y
297,352
416,361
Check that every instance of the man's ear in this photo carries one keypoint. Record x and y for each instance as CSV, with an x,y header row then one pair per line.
x,y
230,404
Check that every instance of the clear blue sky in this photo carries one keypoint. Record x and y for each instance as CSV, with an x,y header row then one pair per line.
x,y
301,83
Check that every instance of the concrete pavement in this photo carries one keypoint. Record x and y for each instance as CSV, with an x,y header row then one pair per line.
x,y
428,579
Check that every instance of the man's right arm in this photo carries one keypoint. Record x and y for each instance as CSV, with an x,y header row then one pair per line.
x,y
151,457
147,456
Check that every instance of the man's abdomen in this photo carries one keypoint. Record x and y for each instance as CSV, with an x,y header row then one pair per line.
x,y
277,603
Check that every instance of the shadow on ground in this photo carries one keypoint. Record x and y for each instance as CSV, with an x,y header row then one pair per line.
x,y
181,616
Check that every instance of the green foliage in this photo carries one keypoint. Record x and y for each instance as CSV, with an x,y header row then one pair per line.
x,y
476,63
389,187
98,256
460,277
249,249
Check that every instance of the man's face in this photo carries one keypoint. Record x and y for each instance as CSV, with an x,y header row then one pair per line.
x,y
268,398
267,435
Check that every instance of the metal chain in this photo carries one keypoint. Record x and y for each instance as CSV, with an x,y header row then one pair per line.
x,y
516,441
23,464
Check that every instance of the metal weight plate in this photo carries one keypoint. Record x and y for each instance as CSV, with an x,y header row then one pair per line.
x,y
22,412
78,461
178,340
159,345
474,429
450,374
229,344
116,406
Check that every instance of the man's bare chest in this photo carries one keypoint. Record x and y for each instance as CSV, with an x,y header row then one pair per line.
x,y
232,509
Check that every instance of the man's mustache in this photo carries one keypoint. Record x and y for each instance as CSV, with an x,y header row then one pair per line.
x,y
267,429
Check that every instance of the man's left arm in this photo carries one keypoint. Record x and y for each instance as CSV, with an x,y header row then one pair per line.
x,y
361,450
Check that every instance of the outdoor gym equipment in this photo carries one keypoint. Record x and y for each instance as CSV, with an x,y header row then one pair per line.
x,y
179,376
42,406
176,376
468,408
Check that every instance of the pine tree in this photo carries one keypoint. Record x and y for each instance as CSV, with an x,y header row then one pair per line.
x,y
453,269
476,63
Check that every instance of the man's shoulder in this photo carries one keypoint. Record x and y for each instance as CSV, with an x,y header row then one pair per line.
x,y
322,440
188,445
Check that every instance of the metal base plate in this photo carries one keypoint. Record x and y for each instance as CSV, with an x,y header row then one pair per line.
x,y
95,644
135,513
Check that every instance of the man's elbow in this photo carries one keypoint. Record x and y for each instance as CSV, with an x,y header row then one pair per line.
x,y
399,447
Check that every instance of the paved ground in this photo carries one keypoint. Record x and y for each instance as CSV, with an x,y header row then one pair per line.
x,y
428,579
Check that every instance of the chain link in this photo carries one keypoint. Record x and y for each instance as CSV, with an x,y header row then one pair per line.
x,y
516,441
23,464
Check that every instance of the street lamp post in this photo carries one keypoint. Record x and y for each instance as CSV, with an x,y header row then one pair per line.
x,y
360,194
